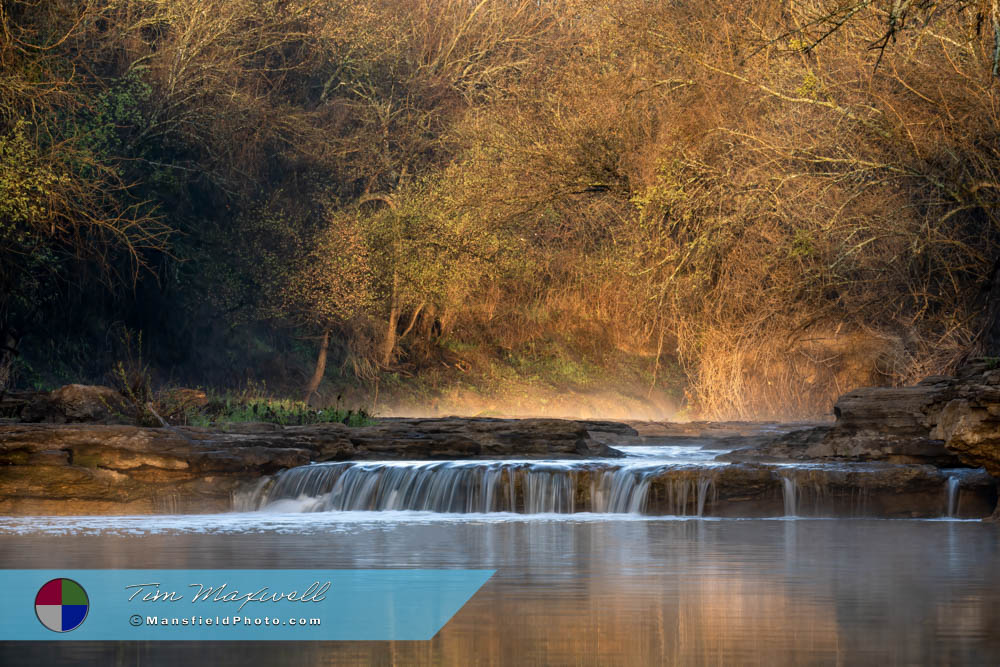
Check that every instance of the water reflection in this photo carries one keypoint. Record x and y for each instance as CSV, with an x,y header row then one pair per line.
x,y
606,592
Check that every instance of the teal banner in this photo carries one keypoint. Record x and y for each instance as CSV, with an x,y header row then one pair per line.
x,y
239,605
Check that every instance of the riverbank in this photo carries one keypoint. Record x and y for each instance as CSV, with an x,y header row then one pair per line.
x,y
931,450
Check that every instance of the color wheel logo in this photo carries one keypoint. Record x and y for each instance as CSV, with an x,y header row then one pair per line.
x,y
62,605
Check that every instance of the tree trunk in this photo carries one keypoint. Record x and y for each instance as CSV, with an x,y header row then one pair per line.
x,y
446,321
317,376
428,322
8,352
413,320
390,333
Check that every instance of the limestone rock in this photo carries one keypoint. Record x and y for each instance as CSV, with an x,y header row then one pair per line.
x,y
971,429
76,403
900,425
875,490
84,468
456,437
944,421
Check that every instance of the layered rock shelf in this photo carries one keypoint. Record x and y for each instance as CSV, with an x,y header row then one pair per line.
x,y
942,421
100,468
872,490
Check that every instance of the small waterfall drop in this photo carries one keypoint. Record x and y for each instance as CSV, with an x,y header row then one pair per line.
x,y
789,488
953,487
687,496
621,490
704,483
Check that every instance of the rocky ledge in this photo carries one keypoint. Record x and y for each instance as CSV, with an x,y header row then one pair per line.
x,y
943,421
947,422
115,469
882,490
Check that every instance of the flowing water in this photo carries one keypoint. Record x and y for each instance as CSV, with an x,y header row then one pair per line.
x,y
788,489
584,576
671,480
530,487
954,487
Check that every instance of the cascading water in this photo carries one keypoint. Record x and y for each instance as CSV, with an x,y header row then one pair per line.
x,y
953,487
788,488
526,487
704,483
650,480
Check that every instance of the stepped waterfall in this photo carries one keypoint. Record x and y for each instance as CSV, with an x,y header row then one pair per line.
x,y
480,487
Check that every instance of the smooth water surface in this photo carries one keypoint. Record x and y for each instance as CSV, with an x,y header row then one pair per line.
x,y
585,589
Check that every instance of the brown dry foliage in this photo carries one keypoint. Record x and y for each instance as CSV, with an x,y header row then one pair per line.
x,y
788,198
789,222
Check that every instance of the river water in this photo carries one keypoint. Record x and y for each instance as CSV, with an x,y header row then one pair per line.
x,y
574,589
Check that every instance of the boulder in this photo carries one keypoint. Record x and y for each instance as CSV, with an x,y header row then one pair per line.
x,y
12,403
76,403
174,403
942,421
969,423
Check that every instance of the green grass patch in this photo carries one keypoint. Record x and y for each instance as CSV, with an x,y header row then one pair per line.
x,y
286,412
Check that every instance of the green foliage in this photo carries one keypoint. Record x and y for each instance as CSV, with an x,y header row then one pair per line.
x,y
423,253
555,367
28,259
332,283
133,379
802,244
259,254
26,184
809,87
118,111
237,409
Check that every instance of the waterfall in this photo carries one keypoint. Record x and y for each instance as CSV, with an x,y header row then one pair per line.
x,y
703,485
639,485
953,488
684,494
480,487
619,491
815,491
789,488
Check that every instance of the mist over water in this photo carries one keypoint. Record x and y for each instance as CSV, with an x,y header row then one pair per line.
x,y
525,401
